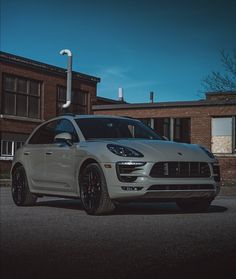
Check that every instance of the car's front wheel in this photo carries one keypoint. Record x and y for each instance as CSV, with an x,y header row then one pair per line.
x,y
20,190
93,191
196,205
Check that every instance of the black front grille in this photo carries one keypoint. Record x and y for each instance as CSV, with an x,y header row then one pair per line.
x,y
180,170
182,187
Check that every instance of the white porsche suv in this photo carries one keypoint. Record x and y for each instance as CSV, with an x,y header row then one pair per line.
x,y
104,160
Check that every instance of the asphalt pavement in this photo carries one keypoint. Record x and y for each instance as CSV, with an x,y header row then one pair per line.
x,y
57,239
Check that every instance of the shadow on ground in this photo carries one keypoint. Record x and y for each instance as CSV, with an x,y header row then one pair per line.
x,y
138,208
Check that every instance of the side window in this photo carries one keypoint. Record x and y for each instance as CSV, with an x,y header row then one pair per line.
x,y
65,126
45,134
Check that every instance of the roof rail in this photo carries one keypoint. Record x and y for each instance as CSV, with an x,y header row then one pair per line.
x,y
125,116
68,114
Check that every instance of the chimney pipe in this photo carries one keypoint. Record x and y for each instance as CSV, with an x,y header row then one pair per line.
x,y
69,76
121,94
151,96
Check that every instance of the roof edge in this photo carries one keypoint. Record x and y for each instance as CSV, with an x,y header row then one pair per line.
x,y
12,58
165,104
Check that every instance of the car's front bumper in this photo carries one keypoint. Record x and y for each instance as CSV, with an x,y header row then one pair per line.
x,y
165,188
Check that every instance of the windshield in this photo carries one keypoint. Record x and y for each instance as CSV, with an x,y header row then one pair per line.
x,y
100,128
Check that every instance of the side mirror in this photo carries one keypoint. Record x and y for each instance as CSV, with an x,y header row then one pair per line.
x,y
64,138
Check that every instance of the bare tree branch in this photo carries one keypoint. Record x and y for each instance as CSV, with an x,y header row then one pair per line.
x,y
220,82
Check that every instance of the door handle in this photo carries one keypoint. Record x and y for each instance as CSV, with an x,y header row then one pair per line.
x,y
49,153
26,153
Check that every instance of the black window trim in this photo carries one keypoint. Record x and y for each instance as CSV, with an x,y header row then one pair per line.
x,y
66,119
46,123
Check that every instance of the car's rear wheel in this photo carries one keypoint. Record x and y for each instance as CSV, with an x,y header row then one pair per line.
x,y
195,205
93,191
20,190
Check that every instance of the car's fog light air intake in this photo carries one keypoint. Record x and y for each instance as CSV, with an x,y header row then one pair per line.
x,y
127,170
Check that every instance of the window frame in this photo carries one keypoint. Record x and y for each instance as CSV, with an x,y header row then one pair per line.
x,y
170,126
233,135
179,129
76,106
19,93
12,148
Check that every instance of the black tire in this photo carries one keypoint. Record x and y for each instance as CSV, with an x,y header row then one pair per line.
x,y
20,190
93,191
194,205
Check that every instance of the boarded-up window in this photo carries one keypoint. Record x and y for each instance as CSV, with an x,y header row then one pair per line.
x,y
222,135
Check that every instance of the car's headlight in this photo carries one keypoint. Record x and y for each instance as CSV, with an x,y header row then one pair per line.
x,y
208,152
124,151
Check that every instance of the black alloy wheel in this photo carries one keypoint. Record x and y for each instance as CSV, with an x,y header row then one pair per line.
x,y
20,190
93,191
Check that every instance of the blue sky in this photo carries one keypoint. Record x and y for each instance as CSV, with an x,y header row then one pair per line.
x,y
143,45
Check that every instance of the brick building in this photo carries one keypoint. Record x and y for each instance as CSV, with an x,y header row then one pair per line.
x,y
32,92
210,122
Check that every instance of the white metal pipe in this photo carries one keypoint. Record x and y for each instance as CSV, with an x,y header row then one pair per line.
x,y
120,94
66,51
69,77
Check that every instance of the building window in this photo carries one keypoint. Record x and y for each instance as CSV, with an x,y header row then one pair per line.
x,y
21,97
162,126
223,135
79,101
177,129
8,147
182,130
61,98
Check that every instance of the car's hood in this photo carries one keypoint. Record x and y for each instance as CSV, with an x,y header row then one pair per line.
x,y
161,150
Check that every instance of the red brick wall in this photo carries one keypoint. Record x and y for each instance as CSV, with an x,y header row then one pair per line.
x,y
228,169
50,81
16,126
220,96
5,167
